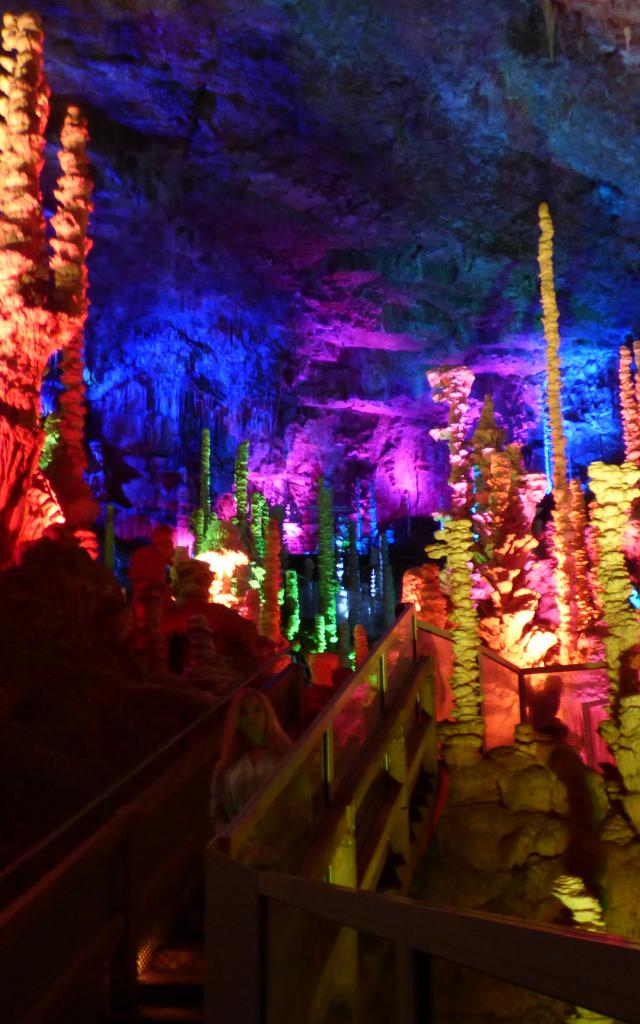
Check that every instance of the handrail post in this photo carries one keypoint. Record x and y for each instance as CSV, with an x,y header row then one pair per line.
x,y
414,629
328,764
235,943
522,696
383,684
123,973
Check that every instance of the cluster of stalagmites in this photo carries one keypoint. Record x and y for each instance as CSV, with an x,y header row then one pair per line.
x,y
37,319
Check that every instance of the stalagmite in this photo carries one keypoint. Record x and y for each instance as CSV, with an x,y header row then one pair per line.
x,y
453,385
563,539
71,246
29,332
326,561
270,610
455,542
629,409
614,487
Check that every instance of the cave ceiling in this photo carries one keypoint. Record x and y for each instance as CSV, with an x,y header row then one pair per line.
x,y
302,206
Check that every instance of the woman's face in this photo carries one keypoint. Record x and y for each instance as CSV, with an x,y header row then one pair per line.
x,y
252,720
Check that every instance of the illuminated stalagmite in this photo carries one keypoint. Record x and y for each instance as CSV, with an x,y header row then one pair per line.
x,y
32,326
71,246
270,611
614,487
629,407
455,542
505,546
453,385
564,541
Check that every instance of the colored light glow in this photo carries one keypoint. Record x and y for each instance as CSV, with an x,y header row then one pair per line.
x,y
224,564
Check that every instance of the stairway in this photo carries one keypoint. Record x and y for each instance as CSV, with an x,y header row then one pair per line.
x,y
398,873
171,983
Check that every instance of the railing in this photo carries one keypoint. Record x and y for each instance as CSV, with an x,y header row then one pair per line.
x,y
263,929
377,731
77,902
40,858
505,693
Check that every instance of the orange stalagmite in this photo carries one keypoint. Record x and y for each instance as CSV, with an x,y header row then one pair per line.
x,y
69,264
563,539
270,625
33,325
629,407
28,331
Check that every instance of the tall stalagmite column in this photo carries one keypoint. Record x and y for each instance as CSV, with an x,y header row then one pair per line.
x,y
71,246
629,407
29,332
326,560
563,539
455,542
270,620
614,487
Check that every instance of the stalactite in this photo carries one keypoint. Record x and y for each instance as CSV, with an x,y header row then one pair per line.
x,y
270,625
326,560
455,542
241,482
452,385
388,588
70,246
353,576
629,408
373,512
292,604
563,539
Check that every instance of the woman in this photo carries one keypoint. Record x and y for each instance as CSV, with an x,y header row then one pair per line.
x,y
253,745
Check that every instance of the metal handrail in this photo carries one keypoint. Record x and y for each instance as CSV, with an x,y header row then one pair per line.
x,y
244,822
98,810
429,627
580,968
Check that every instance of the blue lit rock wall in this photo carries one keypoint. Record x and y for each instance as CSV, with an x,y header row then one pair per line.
x,y
302,207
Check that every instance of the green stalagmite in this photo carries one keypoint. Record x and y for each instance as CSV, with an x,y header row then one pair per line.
x,y
320,634
242,481
291,604
326,561
259,524
200,522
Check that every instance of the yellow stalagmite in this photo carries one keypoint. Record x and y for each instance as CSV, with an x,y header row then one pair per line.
x,y
455,542
629,407
614,487
584,600
563,539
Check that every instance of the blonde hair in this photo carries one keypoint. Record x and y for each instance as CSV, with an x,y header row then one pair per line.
x,y
234,744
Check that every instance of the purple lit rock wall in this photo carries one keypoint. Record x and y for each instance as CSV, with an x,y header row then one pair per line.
x,y
302,207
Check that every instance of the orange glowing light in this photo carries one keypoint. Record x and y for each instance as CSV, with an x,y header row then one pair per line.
x,y
224,564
